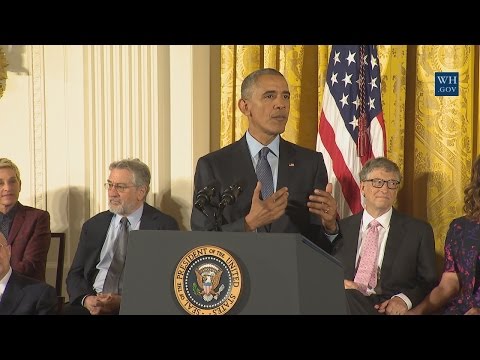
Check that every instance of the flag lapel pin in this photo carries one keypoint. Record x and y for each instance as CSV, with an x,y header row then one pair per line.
x,y
291,164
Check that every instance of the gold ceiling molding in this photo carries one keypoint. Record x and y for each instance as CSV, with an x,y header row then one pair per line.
x,y
3,71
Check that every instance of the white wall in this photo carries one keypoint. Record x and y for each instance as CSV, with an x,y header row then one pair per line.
x,y
68,111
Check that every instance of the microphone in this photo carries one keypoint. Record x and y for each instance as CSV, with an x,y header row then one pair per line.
x,y
203,197
230,195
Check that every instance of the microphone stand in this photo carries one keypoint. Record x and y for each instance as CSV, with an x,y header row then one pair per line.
x,y
218,214
229,197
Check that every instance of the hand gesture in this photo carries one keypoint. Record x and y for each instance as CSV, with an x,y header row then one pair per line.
x,y
264,212
324,206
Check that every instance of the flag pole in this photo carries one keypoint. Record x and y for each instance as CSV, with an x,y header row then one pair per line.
x,y
362,142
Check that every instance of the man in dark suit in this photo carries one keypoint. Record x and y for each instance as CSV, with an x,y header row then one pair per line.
x,y
402,271
27,229
302,202
21,295
128,185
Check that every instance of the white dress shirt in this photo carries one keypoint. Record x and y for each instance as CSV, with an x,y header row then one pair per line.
x,y
4,282
384,220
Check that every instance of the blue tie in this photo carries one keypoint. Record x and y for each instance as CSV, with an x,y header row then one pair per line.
x,y
264,173
114,279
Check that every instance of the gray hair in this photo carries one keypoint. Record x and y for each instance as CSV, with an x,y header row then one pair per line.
x,y
379,163
251,80
140,171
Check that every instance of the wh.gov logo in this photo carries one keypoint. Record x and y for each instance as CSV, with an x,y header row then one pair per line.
x,y
446,84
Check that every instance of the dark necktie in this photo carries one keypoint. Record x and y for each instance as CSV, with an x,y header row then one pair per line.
x,y
114,279
4,226
264,173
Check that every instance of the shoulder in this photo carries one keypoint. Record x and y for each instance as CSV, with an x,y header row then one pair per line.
x,y
462,222
224,152
33,287
31,211
100,217
23,281
410,220
159,216
349,220
300,151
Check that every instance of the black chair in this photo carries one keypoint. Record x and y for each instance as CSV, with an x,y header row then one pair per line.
x,y
60,264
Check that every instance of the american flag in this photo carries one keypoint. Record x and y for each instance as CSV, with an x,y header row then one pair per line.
x,y
351,129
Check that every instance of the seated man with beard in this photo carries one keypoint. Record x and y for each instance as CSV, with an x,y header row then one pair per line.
x,y
94,282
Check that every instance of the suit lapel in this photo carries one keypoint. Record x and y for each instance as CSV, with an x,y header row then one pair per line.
x,y
12,296
99,237
285,176
147,219
244,167
350,234
17,223
286,164
242,172
396,234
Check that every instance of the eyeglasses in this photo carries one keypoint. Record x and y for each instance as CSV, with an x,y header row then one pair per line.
x,y
378,183
119,187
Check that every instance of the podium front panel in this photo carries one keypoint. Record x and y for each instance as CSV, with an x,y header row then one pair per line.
x,y
281,273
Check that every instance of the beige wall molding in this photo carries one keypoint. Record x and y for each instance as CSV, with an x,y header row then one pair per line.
x,y
71,110
3,71
38,127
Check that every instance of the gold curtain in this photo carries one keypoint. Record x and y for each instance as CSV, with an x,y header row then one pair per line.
x,y
433,139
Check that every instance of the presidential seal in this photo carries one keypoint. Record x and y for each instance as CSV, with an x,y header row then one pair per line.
x,y
207,281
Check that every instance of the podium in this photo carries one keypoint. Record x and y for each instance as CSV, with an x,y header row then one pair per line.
x,y
281,274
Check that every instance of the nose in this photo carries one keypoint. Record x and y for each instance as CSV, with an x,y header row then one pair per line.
x,y
112,191
384,187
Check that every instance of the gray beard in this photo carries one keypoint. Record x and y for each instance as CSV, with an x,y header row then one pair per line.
x,y
119,209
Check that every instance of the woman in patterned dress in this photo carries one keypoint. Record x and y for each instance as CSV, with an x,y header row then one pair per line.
x,y
458,292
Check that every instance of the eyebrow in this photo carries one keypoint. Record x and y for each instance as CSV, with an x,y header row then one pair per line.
x,y
268,92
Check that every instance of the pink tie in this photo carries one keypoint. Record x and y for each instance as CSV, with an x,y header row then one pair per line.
x,y
366,275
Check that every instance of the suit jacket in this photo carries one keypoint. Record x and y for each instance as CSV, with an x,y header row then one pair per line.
x,y
301,170
409,261
27,296
83,271
29,237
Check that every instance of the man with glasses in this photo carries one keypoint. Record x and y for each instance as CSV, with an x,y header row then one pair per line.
x,y
388,257
90,277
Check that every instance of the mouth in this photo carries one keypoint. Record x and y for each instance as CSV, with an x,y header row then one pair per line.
x,y
280,117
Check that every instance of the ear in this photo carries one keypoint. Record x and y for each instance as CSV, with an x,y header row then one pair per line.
x,y
141,192
244,107
362,188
